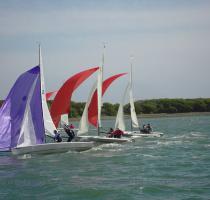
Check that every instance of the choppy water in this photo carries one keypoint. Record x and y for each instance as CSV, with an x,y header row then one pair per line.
x,y
176,166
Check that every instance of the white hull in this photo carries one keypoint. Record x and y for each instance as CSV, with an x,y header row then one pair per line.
x,y
62,131
53,148
102,139
136,134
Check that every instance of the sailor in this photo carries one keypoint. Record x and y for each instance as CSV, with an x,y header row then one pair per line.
x,y
57,137
117,133
109,134
144,130
71,126
69,132
149,128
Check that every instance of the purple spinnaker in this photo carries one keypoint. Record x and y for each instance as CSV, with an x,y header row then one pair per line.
x,y
13,109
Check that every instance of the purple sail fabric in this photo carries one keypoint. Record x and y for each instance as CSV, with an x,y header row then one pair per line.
x,y
13,108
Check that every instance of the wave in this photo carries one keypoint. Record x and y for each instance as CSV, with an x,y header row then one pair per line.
x,y
167,143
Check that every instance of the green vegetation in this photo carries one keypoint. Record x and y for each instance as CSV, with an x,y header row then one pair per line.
x,y
171,106
148,106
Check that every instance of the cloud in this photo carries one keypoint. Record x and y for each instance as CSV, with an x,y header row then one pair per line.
x,y
170,42
74,21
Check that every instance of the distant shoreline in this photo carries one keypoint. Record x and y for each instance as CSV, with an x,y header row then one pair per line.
x,y
159,115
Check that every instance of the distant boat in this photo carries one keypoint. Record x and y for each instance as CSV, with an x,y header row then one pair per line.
x,y
84,122
134,120
120,123
22,126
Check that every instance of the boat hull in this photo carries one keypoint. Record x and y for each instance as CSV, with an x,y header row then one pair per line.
x,y
101,139
53,148
136,134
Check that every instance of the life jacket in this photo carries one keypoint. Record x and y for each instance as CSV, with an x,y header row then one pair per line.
x,y
117,133
71,126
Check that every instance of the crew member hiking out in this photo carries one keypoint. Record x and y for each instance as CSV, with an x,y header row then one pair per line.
x,y
57,137
69,132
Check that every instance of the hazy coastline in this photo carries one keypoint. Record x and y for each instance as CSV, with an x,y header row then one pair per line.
x,y
158,115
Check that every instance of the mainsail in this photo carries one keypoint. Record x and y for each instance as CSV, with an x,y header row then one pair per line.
x,y
62,102
48,123
84,124
120,123
21,109
134,119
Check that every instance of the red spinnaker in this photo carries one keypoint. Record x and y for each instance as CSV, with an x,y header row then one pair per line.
x,y
93,107
62,102
49,94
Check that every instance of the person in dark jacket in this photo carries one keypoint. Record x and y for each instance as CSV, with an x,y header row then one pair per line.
x,y
69,132
57,137
149,128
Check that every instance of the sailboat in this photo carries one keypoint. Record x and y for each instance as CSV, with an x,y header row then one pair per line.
x,y
84,122
134,120
22,119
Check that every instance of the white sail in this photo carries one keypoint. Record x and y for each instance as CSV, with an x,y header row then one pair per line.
x,y
99,94
48,123
84,124
64,119
27,135
134,119
120,123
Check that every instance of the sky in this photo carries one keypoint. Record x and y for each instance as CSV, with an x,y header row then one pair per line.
x,y
168,39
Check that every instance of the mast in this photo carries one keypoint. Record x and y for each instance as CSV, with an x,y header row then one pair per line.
x,y
42,85
99,89
131,85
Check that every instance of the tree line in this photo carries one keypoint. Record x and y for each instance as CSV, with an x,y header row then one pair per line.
x,y
153,106
147,106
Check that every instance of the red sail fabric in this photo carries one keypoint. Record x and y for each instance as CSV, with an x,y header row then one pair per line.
x,y
62,101
93,107
49,94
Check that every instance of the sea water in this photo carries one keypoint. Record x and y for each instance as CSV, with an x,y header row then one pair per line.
x,y
175,166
